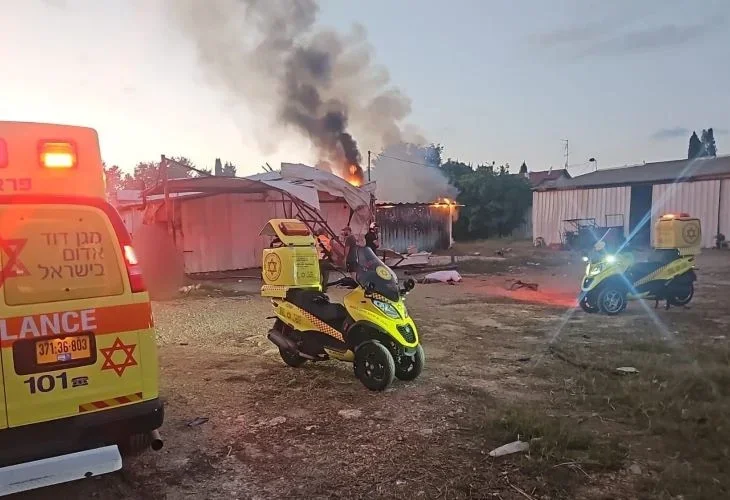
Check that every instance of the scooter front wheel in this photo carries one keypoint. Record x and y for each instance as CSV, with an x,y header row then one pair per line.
x,y
612,300
587,306
374,366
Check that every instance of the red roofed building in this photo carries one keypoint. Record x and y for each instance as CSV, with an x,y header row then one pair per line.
x,y
537,178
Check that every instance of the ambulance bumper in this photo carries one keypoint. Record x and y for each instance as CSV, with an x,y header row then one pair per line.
x,y
61,469
78,433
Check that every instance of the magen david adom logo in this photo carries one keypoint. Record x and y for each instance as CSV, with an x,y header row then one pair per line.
x,y
691,233
272,267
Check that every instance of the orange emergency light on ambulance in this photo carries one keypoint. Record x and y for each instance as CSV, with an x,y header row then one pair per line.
x,y
78,363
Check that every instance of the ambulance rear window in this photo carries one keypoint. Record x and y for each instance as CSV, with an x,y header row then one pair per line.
x,y
57,252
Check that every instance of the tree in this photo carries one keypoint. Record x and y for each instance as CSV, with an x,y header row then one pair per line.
x,y
495,200
229,170
695,147
709,148
147,173
455,169
523,168
116,179
433,155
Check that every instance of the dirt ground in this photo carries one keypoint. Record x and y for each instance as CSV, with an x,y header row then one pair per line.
x,y
500,365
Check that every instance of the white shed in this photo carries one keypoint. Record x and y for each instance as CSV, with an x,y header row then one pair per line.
x,y
638,195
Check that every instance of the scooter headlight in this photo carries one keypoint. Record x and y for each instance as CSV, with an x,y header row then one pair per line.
x,y
610,259
596,269
387,309
585,258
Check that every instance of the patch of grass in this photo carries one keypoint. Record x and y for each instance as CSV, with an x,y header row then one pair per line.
x,y
678,404
555,440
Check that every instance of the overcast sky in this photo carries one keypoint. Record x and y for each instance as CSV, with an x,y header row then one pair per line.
x,y
504,81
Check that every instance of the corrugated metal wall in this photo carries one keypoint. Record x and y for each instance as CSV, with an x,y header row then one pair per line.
x,y
424,226
221,233
699,199
725,209
551,208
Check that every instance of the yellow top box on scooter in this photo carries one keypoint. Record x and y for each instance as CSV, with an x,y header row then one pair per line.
x,y
291,261
680,232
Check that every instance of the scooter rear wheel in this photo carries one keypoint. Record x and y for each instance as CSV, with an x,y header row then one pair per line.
x,y
374,366
292,359
684,298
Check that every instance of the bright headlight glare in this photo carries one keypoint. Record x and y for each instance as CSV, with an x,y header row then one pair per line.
x,y
387,309
610,259
585,259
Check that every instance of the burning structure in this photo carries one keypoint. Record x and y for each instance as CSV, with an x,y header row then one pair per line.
x,y
420,226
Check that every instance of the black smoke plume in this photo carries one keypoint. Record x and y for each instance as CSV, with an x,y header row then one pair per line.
x,y
294,75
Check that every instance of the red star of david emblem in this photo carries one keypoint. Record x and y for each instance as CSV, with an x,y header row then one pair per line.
x,y
111,364
13,266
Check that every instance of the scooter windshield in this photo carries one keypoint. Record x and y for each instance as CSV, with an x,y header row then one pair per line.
x,y
375,276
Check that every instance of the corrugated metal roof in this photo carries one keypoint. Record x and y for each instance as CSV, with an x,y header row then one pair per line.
x,y
648,173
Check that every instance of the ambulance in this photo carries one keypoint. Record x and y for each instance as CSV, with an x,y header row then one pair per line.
x,y
78,362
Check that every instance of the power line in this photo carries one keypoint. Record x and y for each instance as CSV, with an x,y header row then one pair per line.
x,y
405,161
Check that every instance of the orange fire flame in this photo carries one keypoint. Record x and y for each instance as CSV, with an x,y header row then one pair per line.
x,y
353,177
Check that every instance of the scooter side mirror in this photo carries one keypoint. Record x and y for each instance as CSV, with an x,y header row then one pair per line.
x,y
408,285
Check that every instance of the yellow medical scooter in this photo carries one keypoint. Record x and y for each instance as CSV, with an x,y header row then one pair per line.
x,y
371,329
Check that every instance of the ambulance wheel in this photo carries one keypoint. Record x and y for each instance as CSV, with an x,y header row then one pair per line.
x,y
612,300
684,297
410,367
374,366
292,359
588,307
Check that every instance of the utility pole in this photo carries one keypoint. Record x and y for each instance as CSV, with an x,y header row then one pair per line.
x,y
567,153
368,165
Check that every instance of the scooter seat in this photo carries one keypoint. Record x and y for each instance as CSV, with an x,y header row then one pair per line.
x,y
318,304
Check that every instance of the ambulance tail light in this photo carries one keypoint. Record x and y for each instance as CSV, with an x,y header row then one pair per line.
x,y
57,155
136,280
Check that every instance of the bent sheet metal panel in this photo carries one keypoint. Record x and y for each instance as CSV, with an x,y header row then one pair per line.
x,y
551,208
699,199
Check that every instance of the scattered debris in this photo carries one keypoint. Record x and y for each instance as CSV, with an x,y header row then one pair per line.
x,y
635,469
310,427
517,284
349,413
185,290
276,421
442,277
524,359
627,370
532,263
510,448
197,421
719,337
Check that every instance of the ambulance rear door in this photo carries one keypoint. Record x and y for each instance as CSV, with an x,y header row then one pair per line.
x,y
70,324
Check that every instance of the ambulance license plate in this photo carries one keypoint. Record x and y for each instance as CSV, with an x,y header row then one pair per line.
x,y
63,349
